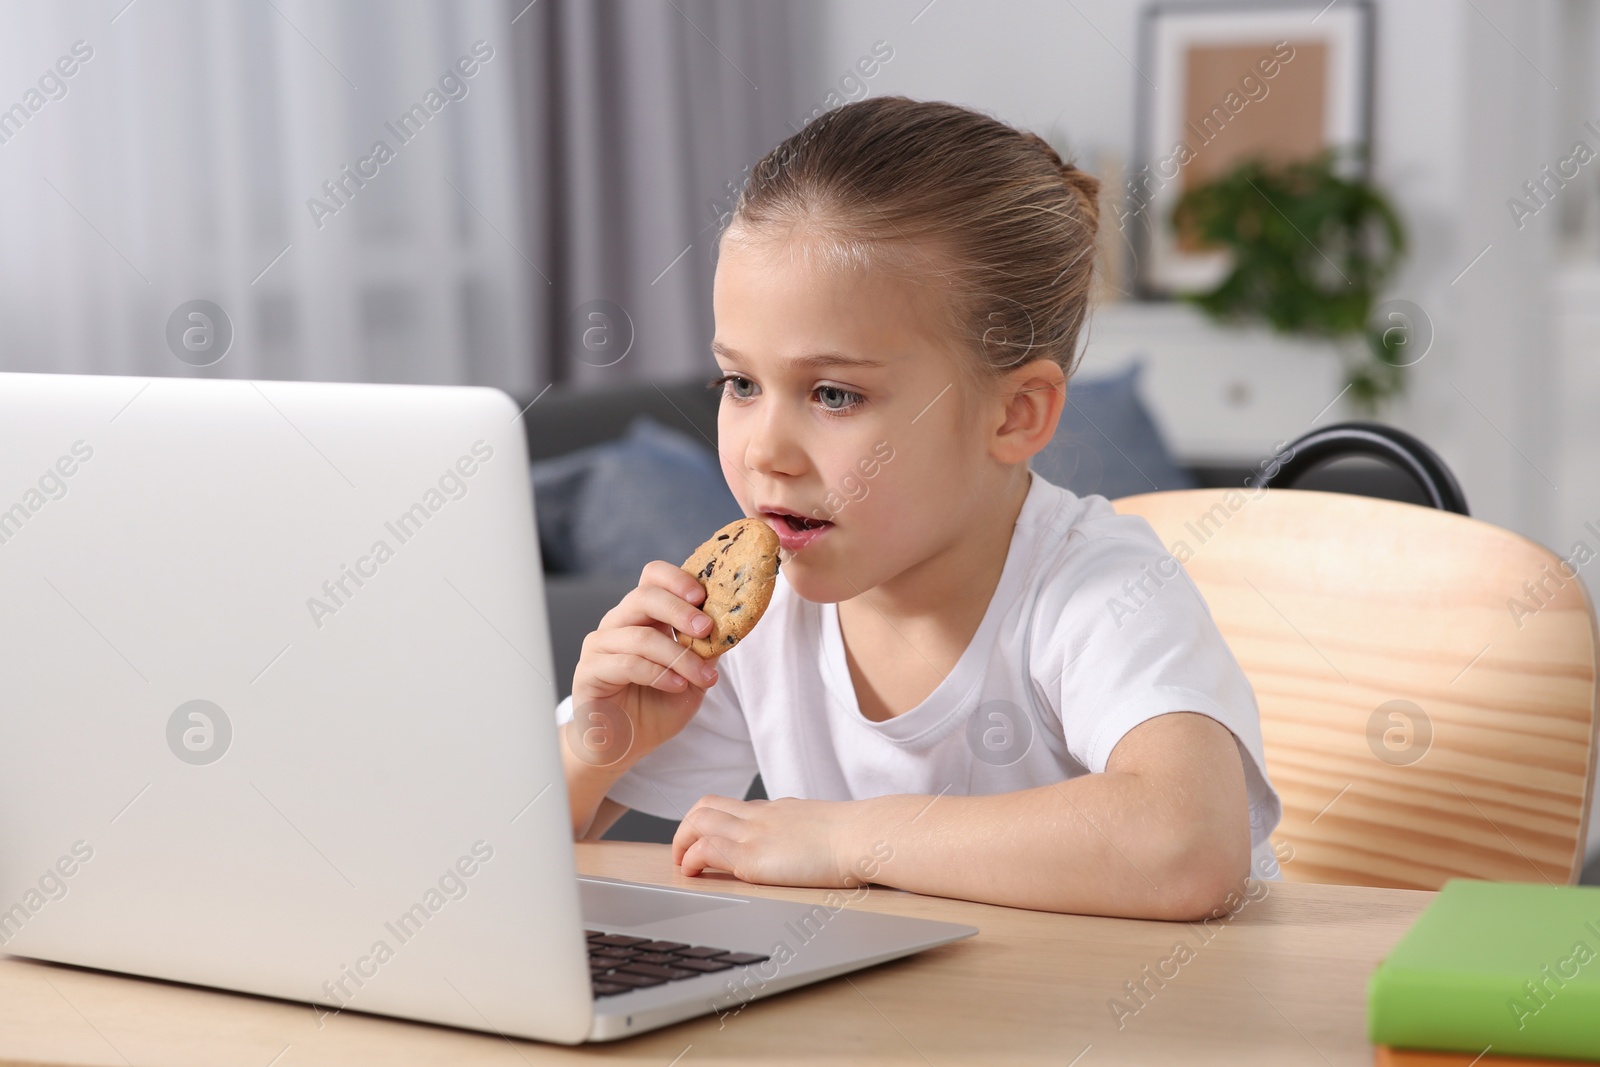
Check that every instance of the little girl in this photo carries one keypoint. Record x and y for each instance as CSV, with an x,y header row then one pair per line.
x,y
937,693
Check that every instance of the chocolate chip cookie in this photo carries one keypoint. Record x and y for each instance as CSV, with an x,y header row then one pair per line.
x,y
738,568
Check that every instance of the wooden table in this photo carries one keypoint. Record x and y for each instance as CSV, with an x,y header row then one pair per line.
x,y
1281,982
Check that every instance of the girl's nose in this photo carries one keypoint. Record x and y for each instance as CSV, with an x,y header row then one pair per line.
x,y
773,446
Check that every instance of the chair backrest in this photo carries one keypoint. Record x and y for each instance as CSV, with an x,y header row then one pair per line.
x,y
1427,681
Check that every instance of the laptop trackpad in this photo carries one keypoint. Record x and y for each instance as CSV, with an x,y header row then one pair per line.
x,y
607,905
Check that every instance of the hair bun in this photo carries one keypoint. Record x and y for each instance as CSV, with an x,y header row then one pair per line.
x,y
1044,146
1085,186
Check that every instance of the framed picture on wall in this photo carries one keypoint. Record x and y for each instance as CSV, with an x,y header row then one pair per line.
x,y
1223,84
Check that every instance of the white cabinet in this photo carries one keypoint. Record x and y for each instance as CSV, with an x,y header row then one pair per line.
x,y
1577,473
1220,394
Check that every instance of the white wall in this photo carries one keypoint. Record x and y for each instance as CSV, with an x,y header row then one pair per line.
x,y
1462,117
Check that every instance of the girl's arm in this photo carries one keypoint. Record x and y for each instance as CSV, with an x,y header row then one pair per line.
x,y
633,689
610,811
1162,833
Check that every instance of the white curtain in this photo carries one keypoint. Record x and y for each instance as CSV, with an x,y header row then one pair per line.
x,y
642,119
178,161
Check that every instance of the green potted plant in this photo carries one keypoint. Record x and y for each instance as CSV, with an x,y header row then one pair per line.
x,y
1310,248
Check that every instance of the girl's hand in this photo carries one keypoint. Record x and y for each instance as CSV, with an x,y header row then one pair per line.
x,y
635,686
776,842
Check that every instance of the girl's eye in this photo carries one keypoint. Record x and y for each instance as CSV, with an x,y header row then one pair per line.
x,y
733,385
834,399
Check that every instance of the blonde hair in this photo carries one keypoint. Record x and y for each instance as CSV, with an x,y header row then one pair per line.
x,y
943,193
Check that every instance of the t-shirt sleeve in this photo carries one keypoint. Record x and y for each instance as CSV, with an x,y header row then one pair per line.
x,y
1124,636
711,754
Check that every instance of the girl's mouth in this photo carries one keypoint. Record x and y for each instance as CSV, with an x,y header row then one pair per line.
x,y
795,531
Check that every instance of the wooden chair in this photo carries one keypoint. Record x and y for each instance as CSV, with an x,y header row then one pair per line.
x,y
1427,682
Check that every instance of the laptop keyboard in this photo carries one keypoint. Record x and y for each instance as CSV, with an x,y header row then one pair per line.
x,y
619,963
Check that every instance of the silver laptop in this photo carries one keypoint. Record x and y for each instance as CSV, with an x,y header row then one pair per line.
x,y
279,717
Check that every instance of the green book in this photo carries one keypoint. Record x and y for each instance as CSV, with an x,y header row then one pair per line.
x,y
1503,965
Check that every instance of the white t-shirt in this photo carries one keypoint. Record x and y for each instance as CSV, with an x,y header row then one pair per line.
x,y
1068,659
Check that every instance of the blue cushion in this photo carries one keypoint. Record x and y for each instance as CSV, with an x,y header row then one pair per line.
x,y
557,484
654,493
1107,443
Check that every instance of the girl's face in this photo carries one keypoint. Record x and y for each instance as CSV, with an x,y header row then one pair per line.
x,y
846,424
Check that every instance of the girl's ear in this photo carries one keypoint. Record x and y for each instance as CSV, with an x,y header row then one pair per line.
x,y
1032,396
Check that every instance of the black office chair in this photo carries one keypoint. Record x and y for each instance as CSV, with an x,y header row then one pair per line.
x,y
1402,453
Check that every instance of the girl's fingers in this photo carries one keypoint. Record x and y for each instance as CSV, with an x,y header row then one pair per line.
x,y
690,867
659,572
709,853
651,605
720,803
684,836
621,668
646,643
700,823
